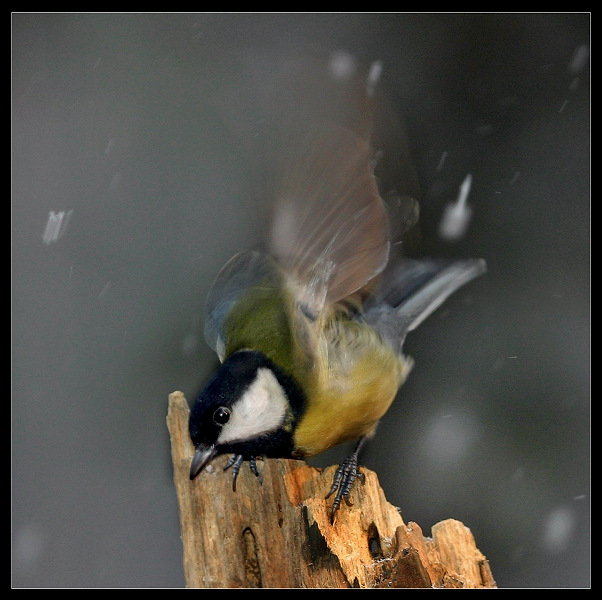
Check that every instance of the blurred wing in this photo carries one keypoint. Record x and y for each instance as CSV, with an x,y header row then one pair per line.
x,y
330,228
241,272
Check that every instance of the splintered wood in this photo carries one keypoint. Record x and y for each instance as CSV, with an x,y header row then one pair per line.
x,y
276,533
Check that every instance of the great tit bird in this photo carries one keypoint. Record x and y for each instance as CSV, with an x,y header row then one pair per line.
x,y
310,332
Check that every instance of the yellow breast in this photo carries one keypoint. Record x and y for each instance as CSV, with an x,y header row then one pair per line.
x,y
355,381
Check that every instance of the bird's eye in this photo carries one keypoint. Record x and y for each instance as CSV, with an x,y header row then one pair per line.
x,y
221,415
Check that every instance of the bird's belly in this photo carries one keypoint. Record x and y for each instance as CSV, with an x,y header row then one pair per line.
x,y
346,408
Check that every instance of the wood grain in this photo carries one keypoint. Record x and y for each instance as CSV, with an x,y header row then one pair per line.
x,y
276,532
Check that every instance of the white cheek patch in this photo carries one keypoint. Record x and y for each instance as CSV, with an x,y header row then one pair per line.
x,y
261,409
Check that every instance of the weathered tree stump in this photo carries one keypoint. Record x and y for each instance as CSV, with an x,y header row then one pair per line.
x,y
277,533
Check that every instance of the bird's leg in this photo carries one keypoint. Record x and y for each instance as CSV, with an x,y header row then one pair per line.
x,y
344,477
235,461
253,467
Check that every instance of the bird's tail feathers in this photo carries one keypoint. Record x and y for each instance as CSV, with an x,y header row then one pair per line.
x,y
413,290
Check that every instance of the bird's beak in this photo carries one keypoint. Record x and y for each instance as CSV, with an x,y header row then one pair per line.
x,y
201,457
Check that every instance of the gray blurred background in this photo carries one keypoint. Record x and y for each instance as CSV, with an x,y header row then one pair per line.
x,y
136,144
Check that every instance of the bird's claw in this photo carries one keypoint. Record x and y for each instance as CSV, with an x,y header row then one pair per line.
x,y
235,461
342,483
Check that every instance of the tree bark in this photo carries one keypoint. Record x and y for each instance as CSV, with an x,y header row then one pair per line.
x,y
276,533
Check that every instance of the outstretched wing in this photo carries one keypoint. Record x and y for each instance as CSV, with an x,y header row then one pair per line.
x,y
330,233
330,229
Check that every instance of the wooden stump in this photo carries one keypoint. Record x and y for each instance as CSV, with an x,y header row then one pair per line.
x,y
277,533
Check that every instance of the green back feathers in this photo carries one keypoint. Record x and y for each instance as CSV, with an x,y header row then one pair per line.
x,y
260,320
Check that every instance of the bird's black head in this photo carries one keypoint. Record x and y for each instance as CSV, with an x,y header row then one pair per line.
x,y
249,407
